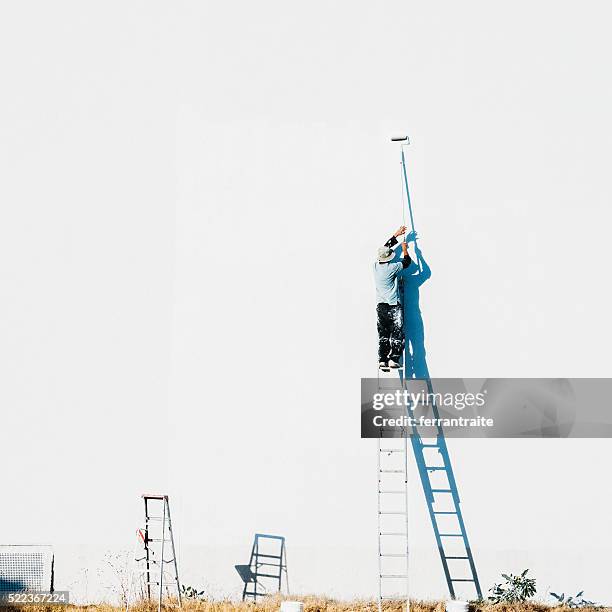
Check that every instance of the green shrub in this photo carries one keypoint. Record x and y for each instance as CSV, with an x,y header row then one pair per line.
x,y
514,589
575,601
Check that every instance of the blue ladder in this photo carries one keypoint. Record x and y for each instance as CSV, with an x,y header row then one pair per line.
x,y
445,495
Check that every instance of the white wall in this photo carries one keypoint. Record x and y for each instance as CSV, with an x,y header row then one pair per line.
x,y
191,197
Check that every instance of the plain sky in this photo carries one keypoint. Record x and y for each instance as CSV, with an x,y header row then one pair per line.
x,y
192,194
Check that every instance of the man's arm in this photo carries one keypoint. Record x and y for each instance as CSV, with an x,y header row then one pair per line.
x,y
406,261
411,237
393,240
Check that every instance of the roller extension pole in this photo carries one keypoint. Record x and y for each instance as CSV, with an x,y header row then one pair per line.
x,y
407,190
452,540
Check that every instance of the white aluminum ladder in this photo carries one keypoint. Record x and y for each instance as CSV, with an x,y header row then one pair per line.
x,y
392,496
158,564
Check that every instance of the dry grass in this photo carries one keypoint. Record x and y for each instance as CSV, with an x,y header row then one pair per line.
x,y
311,604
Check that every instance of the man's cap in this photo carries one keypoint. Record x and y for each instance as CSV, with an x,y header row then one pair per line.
x,y
385,254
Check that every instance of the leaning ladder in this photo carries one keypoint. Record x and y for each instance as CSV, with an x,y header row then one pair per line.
x,y
443,503
157,534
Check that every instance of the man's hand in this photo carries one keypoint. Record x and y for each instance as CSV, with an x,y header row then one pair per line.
x,y
404,249
400,231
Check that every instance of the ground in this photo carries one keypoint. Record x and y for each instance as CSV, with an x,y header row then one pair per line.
x,y
311,604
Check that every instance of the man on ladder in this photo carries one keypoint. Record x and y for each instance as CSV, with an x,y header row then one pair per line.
x,y
390,320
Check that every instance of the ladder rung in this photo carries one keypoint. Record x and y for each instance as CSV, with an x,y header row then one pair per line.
x,y
268,556
155,518
462,580
430,445
392,512
441,490
445,512
392,533
456,557
450,535
435,468
393,576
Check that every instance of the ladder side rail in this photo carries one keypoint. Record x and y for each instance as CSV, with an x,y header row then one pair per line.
x,y
284,553
378,487
176,572
405,444
147,551
280,569
256,554
161,560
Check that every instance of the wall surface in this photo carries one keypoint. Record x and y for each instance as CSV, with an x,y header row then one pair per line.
x,y
192,196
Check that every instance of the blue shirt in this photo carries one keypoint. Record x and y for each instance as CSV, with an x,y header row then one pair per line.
x,y
386,277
